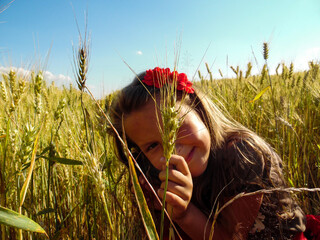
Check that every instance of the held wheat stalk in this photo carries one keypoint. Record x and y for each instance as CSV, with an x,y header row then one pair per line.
x,y
170,125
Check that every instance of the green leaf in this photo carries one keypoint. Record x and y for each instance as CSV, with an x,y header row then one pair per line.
x,y
143,207
66,161
318,146
259,95
14,219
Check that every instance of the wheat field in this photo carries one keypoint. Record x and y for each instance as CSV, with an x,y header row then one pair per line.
x,y
57,166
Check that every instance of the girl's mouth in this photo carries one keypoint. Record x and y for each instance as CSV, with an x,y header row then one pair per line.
x,y
190,155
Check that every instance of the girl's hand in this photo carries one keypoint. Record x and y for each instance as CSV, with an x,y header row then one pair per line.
x,y
180,186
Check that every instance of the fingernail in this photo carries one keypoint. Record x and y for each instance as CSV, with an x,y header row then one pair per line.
x,y
162,159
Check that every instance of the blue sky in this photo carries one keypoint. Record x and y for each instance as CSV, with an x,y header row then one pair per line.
x,y
41,34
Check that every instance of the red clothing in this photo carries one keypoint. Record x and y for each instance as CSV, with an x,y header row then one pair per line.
x,y
312,231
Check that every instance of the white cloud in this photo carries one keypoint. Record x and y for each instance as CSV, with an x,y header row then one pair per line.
x,y
59,79
302,60
49,77
19,71
139,52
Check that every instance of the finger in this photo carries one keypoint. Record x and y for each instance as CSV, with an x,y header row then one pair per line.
x,y
173,199
174,176
178,190
180,164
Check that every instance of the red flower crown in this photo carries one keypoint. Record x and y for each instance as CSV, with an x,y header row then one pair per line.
x,y
161,76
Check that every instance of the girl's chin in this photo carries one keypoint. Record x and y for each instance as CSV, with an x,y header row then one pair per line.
x,y
197,168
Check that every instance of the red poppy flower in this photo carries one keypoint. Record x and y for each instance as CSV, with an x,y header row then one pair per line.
x,y
184,84
148,78
174,75
161,76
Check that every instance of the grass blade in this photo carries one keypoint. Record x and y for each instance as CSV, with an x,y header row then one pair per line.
x,y
259,95
141,201
26,183
14,219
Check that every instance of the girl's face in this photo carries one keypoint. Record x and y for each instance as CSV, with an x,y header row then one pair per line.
x,y
193,141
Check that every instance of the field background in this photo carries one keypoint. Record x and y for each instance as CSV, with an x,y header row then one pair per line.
x,y
78,190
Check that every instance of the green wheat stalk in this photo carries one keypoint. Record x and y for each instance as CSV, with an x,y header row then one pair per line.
x,y
4,93
249,68
94,169
266,56
170,125
38,82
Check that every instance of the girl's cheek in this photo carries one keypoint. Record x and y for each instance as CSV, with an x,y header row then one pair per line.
x,y
178,148
155,160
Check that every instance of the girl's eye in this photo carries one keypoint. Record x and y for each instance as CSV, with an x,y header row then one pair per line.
x,y
152,146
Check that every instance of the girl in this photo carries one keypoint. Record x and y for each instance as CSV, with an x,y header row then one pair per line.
x,y
215,160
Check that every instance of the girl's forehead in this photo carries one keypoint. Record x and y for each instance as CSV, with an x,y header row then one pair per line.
x,y
151,110
142,124
147,110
